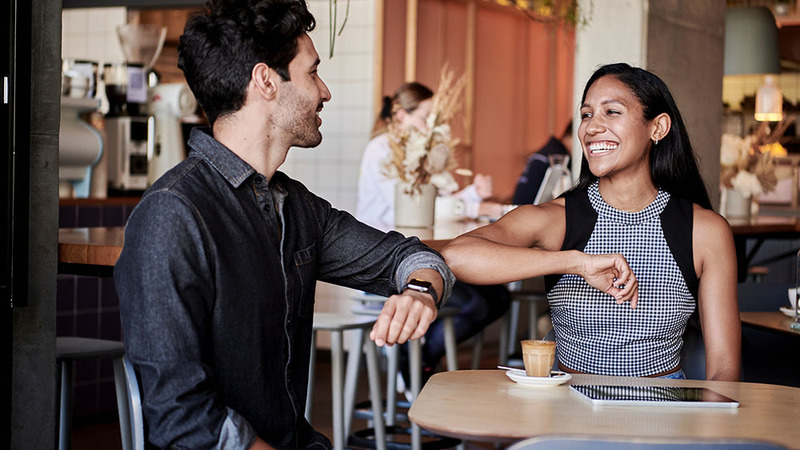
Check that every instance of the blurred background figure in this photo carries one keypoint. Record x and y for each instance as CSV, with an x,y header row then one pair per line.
x,y
533,175
478,305
408,107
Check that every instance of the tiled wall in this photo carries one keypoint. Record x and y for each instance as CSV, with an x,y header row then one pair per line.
x,y
90,33
331,170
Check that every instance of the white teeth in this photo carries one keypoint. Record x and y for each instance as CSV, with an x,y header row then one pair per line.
x,y
601,147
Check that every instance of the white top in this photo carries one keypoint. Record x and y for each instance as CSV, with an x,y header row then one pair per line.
x,y
375,205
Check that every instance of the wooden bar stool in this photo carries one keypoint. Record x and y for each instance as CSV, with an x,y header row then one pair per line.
x,y
71,349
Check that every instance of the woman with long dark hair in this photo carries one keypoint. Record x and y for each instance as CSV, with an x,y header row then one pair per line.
x,y
631,251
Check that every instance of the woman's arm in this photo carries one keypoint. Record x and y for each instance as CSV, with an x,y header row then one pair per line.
x,y
715,264
526,243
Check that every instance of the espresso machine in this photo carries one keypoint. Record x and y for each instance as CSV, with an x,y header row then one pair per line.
x,y
80,144
169,103
130,128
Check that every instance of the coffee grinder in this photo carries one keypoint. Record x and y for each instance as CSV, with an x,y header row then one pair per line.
x,y
130,129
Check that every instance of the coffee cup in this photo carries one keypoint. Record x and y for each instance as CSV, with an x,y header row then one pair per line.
x,y
449,208
538,357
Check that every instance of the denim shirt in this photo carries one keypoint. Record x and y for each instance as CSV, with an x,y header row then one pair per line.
x,y
216,283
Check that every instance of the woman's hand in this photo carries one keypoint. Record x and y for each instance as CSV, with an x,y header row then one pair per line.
x,y
483,185
611,274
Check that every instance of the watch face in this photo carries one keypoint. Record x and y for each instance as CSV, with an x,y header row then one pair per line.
x,y
422,286
419,285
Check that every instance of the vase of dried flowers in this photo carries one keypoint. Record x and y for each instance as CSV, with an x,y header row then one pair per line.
x,y
414,208
421,160
747,168
735,205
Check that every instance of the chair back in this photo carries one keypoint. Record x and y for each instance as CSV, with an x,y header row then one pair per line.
x,y
693,352
134,406
632,443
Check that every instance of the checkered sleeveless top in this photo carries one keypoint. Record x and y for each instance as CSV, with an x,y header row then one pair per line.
x,y
594,334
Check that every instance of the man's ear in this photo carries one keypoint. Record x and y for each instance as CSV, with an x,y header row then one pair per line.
x,y
264,80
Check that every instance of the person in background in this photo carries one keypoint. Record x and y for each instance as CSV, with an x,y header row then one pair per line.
x,y
408,107
479,305
531,179
222,254
631,251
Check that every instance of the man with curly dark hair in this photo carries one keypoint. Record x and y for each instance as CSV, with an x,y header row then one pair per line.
x,y
221,258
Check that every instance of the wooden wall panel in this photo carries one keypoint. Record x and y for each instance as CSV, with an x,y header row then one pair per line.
x,y
394,45
523,82
499,107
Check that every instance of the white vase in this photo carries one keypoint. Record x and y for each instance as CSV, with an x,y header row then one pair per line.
x,y
735,205
414,209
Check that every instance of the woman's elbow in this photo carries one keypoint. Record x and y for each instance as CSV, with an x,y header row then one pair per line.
x,y
453,256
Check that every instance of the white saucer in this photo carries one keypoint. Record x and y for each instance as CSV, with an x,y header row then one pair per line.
x,y
787,310
554,379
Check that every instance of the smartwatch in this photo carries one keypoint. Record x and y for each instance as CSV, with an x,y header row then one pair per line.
x,y
422,286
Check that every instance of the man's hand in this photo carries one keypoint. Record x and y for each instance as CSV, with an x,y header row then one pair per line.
x,y
403,317
612,274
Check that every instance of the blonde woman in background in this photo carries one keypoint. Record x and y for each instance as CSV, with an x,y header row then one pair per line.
x,y
479,305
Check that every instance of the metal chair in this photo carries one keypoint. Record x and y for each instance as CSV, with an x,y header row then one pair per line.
x,y
71,349
134,400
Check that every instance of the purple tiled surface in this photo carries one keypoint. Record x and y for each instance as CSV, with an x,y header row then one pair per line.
x,y
70,216
89,307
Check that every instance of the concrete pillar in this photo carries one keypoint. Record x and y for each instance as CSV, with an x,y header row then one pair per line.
x,y
686,48
33,362
682,41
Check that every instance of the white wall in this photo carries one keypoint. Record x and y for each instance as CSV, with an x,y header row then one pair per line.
x,y
90,33
331,170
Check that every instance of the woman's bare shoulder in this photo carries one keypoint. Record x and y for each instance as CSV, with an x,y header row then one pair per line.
x,y
706,219
711,230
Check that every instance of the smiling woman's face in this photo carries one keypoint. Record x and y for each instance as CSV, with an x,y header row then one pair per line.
x,y
613,133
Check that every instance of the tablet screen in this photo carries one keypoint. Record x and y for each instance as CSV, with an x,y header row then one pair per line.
x,y
654,396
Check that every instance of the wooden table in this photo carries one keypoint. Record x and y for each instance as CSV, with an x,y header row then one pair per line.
x,y
484,405
89,251
761,228
774,321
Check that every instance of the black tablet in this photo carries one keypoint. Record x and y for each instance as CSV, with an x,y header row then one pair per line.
x,y
608,395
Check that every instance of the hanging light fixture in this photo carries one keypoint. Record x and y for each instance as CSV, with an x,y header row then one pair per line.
x,y
769,101
751,47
